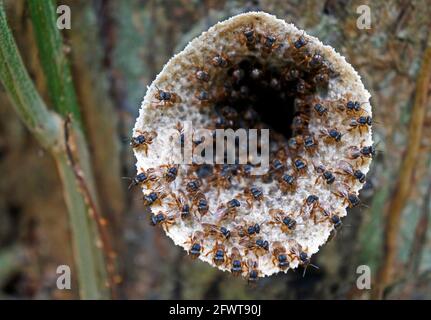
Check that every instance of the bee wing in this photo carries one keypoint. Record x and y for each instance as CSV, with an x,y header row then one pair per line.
x,y
345,166
209,227
245,242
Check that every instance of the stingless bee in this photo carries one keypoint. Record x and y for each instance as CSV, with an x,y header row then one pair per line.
x,y
350,199
236,262
287,223
219,251
345,168
279,255
196,244
162,219
145,177
143,139
297,252
165,98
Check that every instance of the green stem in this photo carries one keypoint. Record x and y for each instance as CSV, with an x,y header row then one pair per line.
x,y
53,58
47,127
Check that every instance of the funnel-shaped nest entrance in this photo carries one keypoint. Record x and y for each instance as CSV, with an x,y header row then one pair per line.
x,y
254,71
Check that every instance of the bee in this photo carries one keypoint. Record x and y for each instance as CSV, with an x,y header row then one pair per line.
x,y
279,255
342,190
297,252
300,165
316,61
362,153
287,183
248,231
300,123
223,176
310,205
258,246
220,60
193,185
143,178
287,223
220,233
201,203
354,107
334,219
162,219
359,123
277,166
237,264
320,109
142,140
300,42
166,98
294,143
253,194
347,169
202,75
154,196
252,271
310,144
203,97
171,172
248,37
269,43
325,174
183,205
220,256
331,134
225,209
196,244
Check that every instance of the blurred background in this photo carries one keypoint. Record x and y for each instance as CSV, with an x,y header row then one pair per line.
x,y
113,50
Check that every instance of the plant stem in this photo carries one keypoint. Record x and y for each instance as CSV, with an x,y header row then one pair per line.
x,y
53,58
402,186
47,127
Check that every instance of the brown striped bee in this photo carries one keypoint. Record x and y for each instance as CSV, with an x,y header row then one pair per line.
x,y
162,219
219,232
252,195
325,174
220,60
252,271
258,246
345,168
362,122
297,252
331,134
279,255
300,165
143,139
236,262
196,244
154,196
220,256
145,177
287,183
287,223
182,205
342,190
165,98
310,206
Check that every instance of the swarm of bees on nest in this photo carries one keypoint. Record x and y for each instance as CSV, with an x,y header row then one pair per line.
x,y
320,147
